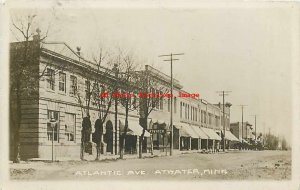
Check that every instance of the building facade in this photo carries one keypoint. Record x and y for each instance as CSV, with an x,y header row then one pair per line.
x,y
62,95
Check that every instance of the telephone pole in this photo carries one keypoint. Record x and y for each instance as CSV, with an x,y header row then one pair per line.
x,y
171,119
223,93
255,125
242,106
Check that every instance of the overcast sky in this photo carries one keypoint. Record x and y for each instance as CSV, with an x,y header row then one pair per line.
x,y
244,50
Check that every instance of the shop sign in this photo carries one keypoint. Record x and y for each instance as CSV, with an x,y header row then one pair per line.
x,y
157,131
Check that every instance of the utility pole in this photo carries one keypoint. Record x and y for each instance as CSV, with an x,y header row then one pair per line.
x,y
242,106
116,71
171,122
255,125
223,93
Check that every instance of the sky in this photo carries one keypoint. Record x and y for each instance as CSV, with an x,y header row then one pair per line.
x,y
245,50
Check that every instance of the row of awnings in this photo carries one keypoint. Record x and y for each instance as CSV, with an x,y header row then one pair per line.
x,y
193,131
185,130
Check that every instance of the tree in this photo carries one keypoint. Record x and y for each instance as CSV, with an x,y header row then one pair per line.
x,y
24,73
128,82
99,87
103,97
150,84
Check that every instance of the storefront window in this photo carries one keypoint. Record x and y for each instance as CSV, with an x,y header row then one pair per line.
x,y
53,125
70,126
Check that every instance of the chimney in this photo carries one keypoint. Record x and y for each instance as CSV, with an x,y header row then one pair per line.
x,y
78,50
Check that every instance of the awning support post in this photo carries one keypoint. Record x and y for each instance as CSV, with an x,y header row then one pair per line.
x,y
207,144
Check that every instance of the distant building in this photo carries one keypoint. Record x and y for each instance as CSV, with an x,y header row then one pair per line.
x,y
246,132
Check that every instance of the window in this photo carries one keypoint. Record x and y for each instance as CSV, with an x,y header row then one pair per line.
x,y
175,104
73,85
62,82
180,109
70,126
157,100
161,101
50,79
87,89
53,125
185,109
209,118
152,91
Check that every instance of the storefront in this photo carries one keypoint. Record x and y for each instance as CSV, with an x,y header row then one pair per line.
x,y
134,131
160,135
231,140
213,143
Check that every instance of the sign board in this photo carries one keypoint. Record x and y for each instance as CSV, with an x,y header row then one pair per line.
x,y
157,131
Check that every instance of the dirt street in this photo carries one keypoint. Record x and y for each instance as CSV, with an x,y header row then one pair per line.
x,y
239,165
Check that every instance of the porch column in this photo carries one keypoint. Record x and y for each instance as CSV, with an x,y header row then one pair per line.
x,y
179,143
116,133
190,143
200,144
207,144
137,144
213,146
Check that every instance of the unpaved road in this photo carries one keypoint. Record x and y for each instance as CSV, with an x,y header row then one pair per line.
x,y
240,165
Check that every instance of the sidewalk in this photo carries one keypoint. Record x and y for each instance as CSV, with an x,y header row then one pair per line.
x,y
156,153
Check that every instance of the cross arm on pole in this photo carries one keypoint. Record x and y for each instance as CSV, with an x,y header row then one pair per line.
x,y
171,60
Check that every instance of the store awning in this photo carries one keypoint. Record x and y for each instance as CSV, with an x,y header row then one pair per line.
x,y
229,136
199,132
211,134
189,129
133,128
185,130
160,122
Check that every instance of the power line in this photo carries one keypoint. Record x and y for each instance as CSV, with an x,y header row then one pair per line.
x,y
171,118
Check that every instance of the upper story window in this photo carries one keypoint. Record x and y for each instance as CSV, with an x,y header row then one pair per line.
x,y
180,109
175,105
62,82
161,101
185,110
188,111
157,106
87,89
73,85
50,79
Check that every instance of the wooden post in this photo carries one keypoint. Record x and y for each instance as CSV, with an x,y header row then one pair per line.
x,y
137,144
